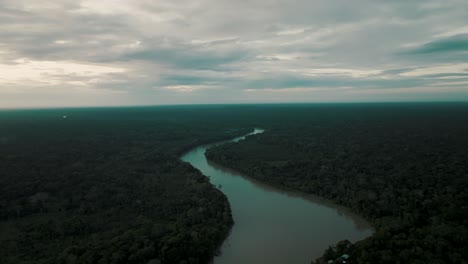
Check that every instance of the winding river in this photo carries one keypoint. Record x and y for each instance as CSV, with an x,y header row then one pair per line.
x,y
272,225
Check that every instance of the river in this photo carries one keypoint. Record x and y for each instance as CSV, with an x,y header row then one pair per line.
x,y
272,225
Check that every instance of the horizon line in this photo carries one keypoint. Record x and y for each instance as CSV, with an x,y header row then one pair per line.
x,y
229,104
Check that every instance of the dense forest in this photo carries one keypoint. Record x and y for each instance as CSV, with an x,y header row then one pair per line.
x,y
402,166
107,186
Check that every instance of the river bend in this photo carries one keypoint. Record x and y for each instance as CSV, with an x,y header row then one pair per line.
x,y
275,226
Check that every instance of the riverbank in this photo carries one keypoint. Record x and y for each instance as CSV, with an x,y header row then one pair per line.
x,y
273,225
403,169
107,186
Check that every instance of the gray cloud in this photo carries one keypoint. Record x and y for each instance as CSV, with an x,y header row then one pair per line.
x,y
458,43
145,51
188,57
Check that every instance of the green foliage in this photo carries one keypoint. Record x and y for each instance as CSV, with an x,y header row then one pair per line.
x,y
404,167
107,186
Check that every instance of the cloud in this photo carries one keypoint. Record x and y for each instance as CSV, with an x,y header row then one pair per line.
x,y
207,51
189,88
297,89
63,73
459,68
186,57
455,43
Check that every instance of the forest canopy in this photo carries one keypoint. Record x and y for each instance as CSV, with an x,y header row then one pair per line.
x,y
402,166
108,186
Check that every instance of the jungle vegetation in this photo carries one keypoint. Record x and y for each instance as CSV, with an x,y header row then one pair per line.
x,y
402,166
107,186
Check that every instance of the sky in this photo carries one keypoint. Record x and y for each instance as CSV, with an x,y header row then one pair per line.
x,y
149,52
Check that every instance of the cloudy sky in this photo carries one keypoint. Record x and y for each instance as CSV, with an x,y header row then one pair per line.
x,y
130,52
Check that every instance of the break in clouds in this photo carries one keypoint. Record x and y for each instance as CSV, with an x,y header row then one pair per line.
x,y
78,53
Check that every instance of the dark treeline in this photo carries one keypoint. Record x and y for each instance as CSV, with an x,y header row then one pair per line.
x,y
402,166
107,186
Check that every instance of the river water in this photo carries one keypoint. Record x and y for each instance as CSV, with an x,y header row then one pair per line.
x,y
272,225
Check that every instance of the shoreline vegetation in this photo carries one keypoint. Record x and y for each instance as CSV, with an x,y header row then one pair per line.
x,y
108,186
405,171
360,221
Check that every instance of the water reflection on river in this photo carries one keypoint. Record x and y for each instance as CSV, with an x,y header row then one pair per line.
x,y
276,226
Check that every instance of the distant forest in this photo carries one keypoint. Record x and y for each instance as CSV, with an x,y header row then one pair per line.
x,y
403,167
108,186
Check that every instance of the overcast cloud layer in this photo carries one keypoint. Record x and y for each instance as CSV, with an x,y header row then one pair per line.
x,y
110,52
